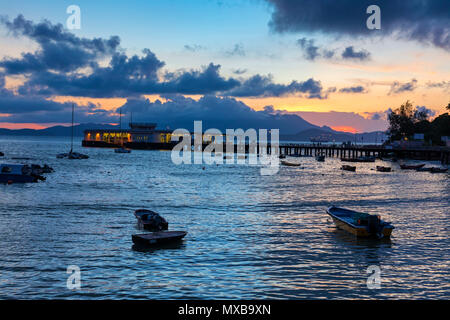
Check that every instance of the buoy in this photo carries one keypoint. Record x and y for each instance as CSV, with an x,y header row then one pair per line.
x,y
10,181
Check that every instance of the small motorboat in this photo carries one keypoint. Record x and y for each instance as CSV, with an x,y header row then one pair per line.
x,y
18,173
72,155
348,168
122,150
37,169
359,159
438,170
424,169
360,224
320,157
158,238
151,220
290,164
383,169
282,156
412,167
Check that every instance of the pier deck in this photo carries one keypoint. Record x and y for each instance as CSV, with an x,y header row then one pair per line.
x,y
294,149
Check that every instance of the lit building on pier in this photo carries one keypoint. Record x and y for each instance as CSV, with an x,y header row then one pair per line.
x,y
138,133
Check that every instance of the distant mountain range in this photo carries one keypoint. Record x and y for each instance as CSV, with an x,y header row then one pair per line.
x,y
329,135
311,132
56,130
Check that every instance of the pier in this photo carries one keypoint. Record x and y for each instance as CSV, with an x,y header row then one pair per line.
x,y
436,153
420,153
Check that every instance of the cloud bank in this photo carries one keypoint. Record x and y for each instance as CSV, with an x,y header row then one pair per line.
x,y
424,21
69,65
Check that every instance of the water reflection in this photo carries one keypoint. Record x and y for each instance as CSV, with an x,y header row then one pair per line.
x,y
249,236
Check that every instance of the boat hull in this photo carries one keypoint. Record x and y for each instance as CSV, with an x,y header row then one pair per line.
x,y
290,164
360,232
411,167
16,178
348,168
158,238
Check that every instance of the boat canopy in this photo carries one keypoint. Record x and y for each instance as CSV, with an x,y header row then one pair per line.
x,y
11,168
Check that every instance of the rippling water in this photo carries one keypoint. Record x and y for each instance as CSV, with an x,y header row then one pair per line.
x,y
249,236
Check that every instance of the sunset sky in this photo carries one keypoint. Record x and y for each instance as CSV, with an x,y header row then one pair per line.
x,y
316,59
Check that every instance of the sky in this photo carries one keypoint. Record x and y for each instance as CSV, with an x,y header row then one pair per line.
x,y
250,58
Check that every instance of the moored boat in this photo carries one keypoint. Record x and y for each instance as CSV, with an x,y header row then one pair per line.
x,y
157,238
360,224
151,220
122,150
411,166
359,159
383,169
71,154
348,168
18,173
438,170
320,158
424,169
290,164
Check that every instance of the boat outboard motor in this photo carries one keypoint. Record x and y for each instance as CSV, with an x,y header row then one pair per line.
x,y
374,225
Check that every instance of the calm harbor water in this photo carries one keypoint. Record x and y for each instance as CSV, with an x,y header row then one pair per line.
x,y
249,236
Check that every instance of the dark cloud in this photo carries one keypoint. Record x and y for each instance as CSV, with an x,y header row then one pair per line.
x,y
355,89
378,115
441,85
238,50
426,21
45,32
239,71
68,65
194,47
398,87
25,109
124,76
310,50
263,86
425,111
350,53
59,50
205,81
215,112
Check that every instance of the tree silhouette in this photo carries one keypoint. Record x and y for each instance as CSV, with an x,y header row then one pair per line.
x,y
405,120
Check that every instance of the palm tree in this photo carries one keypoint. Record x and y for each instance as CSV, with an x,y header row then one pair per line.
x,y
448,106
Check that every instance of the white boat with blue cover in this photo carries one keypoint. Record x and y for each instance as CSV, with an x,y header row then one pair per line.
x,y
360,224
17,173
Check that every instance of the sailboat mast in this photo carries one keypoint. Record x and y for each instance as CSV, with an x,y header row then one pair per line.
x,y
120,121
71,143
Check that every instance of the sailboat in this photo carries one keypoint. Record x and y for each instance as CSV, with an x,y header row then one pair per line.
x,y
121,149
71,154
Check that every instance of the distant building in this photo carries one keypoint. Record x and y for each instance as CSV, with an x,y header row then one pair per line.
x,y
138,132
